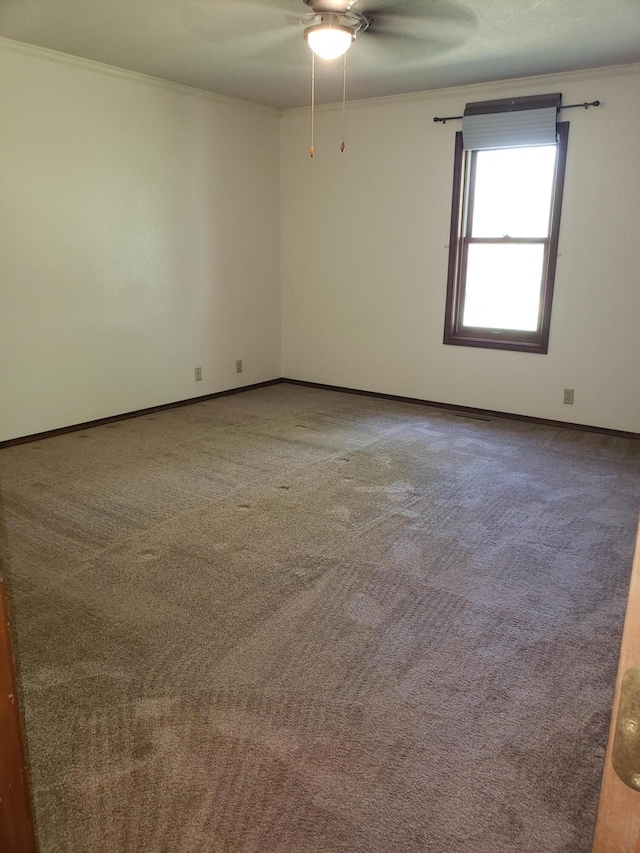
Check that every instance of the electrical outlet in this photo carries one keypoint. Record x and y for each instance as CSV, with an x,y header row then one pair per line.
x,y
568,397
239,366
198,372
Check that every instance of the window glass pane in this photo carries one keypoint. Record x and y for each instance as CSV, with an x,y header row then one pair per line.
x,y
513,192
503,286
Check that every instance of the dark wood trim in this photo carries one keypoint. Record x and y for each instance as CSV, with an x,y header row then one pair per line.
x,y
467,410
467,198
453,407
460,238
510,105
547,292
17,834
455,229
135,414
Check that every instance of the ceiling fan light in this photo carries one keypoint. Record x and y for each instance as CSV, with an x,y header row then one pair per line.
x,y
329,41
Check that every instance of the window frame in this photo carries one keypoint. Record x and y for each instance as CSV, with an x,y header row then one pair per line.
x,y
461,211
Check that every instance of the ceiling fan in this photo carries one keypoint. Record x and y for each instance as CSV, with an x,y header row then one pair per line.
x,y
388,34
398,32
403,27
332,26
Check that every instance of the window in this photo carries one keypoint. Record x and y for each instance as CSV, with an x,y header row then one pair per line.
x,y
505,222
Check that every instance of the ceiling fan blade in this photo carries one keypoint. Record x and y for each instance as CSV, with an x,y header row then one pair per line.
x,y
411,17
418,8
401,49
336,6
221,22
399,32
281,46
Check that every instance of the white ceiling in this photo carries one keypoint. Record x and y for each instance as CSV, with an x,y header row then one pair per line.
x,y
255,50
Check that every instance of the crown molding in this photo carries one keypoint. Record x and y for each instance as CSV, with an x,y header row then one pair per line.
x,y
424,95
135,76
492,87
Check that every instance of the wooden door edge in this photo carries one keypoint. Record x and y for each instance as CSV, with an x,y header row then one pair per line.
x,y
618,821
17,832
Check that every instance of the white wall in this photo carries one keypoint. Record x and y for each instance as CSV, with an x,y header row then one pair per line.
x,y
139,238
364,257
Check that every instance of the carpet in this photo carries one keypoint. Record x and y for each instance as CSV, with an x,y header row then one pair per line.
x,y
300,621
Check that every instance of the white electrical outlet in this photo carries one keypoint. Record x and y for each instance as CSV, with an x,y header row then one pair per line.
x,y
239,366
568,397
198,372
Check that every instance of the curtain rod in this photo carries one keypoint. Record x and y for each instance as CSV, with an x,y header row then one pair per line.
x,y
586,105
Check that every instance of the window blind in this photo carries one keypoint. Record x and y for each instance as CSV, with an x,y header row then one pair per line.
x,y
511,122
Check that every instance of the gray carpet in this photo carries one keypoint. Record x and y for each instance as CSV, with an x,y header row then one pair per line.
x,y
299,621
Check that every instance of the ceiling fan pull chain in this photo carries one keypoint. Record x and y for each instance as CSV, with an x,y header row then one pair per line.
x,y
312,151
344,101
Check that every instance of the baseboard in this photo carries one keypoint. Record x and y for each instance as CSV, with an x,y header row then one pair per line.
x,y
17,834
464,410
467,410
24,439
